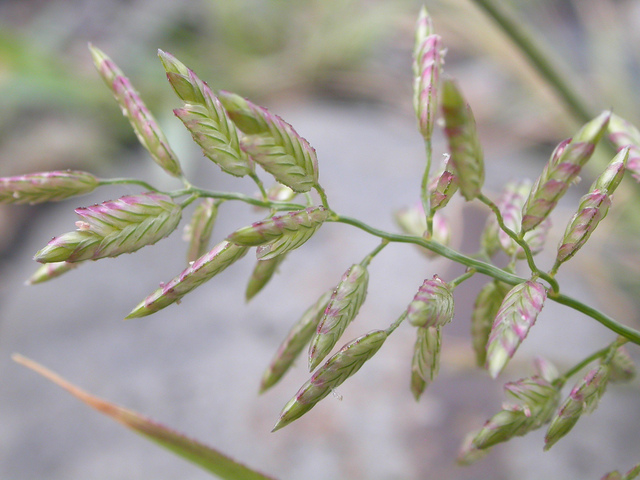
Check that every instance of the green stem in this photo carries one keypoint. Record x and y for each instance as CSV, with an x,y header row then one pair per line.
x,y
465,276
520,241
374,252
606,353
396,324
189,201
627,332
127,181
323,196
260,185
424,188
238,196
524,41
494,272
560,381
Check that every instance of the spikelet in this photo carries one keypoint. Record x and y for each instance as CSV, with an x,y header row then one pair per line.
x,y
273,143
199,272
43,187
49,271
484,313
281,233
343,307
142,121
261,274
425,362
432,306
205,118
428,58
592,209
535,400
115,227
561,171
583,398
331,375
297,338
467,159
198,231
624,134
517,314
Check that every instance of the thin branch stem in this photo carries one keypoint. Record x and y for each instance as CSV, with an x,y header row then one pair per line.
x,y
127,181
374,252
323,196
465,276
519,241
424,188
397,323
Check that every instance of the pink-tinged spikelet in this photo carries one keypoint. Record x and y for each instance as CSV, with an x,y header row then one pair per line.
x,y
428,58
331,375
343,307
433,305
516,316
199,272
561,171
583,398
281,233
592,209
115,227
141,119
43,187
205,118
467,158
273,143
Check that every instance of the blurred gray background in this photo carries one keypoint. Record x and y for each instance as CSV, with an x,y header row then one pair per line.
x,y
339,71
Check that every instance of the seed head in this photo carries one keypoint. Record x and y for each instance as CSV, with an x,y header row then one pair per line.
x,y
43,187
592,209
433,305
331,375
144,124
281,233
464,145
428,58
484,313
442,188
583,399
198,232
206,119
273,143
517,314
199,272
297,338
115,227
425,363
343,307
533,403
561,171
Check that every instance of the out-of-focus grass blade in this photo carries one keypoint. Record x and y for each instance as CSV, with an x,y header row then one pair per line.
x,y
196,452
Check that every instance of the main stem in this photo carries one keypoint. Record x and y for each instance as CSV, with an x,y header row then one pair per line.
x,y
514,30
494,272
